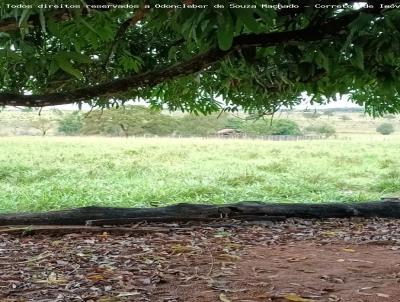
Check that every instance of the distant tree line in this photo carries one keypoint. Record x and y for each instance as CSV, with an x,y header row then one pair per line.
x,y
139,120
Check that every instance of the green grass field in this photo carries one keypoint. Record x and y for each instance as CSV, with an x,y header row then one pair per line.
x,y
56,172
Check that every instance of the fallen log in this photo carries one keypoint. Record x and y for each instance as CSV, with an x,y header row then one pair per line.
x,y
386,208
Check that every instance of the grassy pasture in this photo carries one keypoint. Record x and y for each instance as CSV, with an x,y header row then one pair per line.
x,y
57,172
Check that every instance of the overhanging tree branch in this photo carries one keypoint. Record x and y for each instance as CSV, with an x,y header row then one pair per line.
x,y
327,30
7,25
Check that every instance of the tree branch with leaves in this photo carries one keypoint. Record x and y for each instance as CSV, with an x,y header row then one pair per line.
x,y
340,51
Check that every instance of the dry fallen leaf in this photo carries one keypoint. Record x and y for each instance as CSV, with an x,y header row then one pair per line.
x,y
228,257
95,277
360,291
329,233
233,246
382,295
128,294
332,279
180,249
108,299
296,298
333,298
56,243
55,279
104,236
223,298
360,260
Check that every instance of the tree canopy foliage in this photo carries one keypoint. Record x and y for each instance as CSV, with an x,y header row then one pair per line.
x,y
128,121
200,60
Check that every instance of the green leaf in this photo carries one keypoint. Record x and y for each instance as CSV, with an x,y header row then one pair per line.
x,y
247,17
4,35
88,26
361,23
225,31
65,64
322,60
24,17
53,67
358,57
79,57
130,62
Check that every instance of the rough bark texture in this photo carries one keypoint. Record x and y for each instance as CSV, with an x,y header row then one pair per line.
x,y
389,208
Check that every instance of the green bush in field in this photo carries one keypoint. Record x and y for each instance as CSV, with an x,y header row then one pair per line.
x,y
385,129
265,127
322,128
139,120
200,125
236,123
70,123
285,127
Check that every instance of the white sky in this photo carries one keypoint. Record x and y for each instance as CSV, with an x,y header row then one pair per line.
x,y
341,103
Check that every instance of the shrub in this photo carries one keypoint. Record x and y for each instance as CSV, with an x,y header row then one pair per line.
x,y
345,118
385,129
285,127
70,123
235,123
203,125
206,125
324,129
265,127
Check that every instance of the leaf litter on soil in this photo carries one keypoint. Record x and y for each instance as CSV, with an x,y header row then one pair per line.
x,y
296,260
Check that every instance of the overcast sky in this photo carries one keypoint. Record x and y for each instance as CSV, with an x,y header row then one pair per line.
x,y
343,102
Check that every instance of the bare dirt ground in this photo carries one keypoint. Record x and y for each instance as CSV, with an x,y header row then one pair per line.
x,y
297,260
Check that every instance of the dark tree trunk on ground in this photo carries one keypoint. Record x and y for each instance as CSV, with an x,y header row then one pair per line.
x,y
389,208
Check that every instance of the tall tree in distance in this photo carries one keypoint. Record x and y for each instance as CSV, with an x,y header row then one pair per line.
x,y
42,124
